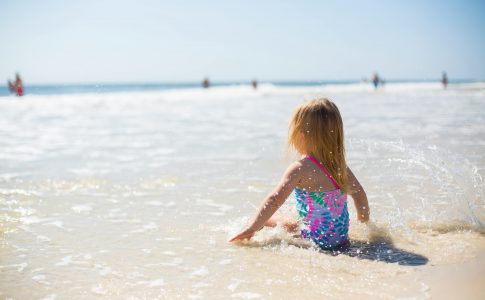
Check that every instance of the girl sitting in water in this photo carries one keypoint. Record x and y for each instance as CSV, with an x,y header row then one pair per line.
x,y
321,180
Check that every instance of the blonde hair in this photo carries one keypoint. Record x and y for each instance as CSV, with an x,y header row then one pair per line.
x,y
320,124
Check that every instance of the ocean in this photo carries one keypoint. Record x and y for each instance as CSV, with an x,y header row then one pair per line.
x,y
132,192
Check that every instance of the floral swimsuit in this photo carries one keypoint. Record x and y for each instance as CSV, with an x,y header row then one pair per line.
x,y
324,217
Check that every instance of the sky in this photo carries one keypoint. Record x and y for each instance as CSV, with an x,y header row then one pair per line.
x,y
98,41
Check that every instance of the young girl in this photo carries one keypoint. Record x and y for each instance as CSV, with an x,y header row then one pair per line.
x,y
321,180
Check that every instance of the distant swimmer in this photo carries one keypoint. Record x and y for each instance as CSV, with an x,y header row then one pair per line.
x,y
17,87
254,83
444,80
206,83
375,80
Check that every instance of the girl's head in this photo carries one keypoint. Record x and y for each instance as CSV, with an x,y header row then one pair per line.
x,y
316,129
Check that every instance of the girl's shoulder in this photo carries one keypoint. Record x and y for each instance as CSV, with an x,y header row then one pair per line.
x,y
305,163
306,167
295,172
301,166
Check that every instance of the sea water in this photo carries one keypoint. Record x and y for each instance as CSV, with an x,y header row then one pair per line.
x,y
134,194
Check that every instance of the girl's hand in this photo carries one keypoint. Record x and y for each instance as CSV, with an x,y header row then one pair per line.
x,y
245,235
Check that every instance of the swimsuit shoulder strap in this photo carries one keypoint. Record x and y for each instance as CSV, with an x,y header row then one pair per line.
x,y
320,165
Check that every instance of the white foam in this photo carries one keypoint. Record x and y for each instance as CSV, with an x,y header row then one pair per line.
x,y
66,260
246,295
233,286
58,224
20,267
82,208
146,227
223,208
202,271
103,270
156,282
172,239
201,284
40,279
170,204
36,270
98,290
34,220
154,203
225,261
175,262
25,211
152,283
43,238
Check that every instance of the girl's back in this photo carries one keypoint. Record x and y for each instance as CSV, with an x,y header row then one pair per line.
x,y
322,206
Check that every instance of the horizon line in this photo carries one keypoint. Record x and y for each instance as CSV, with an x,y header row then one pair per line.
x,y
262,81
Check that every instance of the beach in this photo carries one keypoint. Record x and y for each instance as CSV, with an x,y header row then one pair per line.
x,y
134,194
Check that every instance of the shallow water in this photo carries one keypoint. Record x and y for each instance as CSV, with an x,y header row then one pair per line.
x,y
134,195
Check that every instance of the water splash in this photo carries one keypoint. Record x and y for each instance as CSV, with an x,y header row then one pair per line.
x,y
409,184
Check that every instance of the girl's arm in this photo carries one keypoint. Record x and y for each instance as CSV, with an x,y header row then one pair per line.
x,y
273,201
360,198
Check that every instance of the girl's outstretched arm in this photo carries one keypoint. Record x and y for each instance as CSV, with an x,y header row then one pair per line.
x,y
360,198
273,201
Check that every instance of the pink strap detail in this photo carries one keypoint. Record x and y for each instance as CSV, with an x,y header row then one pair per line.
x,y
313,159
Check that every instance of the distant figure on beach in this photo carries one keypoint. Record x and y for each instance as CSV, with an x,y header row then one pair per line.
x,y
376,80
16,87
444,80
206,83
321,180
254,83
